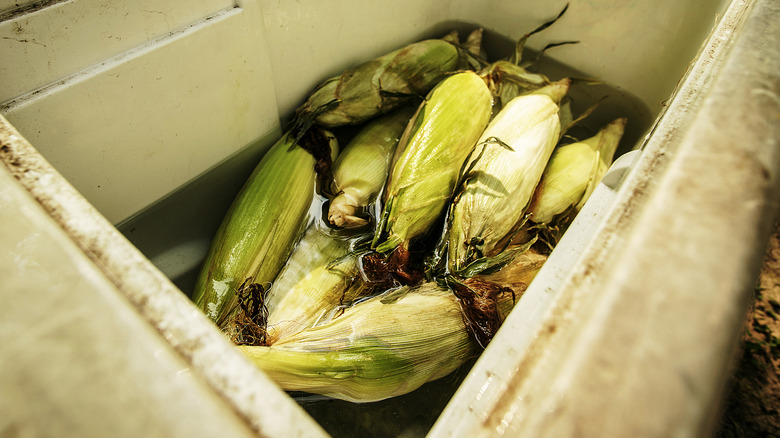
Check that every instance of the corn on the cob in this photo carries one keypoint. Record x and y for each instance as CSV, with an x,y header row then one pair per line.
x,y
361,169
573,172
312,300
379,85
429,157
382,347
260,229
502,174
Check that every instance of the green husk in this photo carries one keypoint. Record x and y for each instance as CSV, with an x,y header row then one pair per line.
x,y
429,157
360,171
379,85
573,172
259,230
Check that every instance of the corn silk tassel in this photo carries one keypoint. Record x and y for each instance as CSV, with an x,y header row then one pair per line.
x,y
573,172
360,171
429,158
383,84
261,227
501,176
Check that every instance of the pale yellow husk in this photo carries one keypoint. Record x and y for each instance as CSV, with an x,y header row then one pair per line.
x,y
382,347
503,172
573,172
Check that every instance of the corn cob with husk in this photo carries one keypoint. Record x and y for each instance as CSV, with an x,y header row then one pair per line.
x,y
429,158
361,169
385,346
508,80
390,344
261,227
317,247
573,172
329,285
382,84
502,174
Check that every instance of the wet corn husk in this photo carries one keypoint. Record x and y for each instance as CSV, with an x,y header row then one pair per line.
x,y
390,344
429,158
385,346
573,172
380,85
502,174
260,229
360,171
317,247
517,275
316,297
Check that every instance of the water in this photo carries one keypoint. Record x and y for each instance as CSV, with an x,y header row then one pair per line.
x,y
175,234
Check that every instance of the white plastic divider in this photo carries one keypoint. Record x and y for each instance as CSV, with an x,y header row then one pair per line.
x,y
45,42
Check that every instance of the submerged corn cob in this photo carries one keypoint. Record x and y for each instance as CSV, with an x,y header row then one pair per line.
x,y
361,169
260,229
390,344
312,300
573,172
380,85
317,247
429,157
502,174
382,347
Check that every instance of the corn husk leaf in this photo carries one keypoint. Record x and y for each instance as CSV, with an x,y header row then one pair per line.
x,y
385,346
429,157
360,171
573,172
501,178
259,230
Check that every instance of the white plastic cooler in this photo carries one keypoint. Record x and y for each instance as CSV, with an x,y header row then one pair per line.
x,y
145,117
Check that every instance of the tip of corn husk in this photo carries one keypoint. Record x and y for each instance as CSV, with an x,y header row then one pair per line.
x,y
473,42
608,139
486,300
556,90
